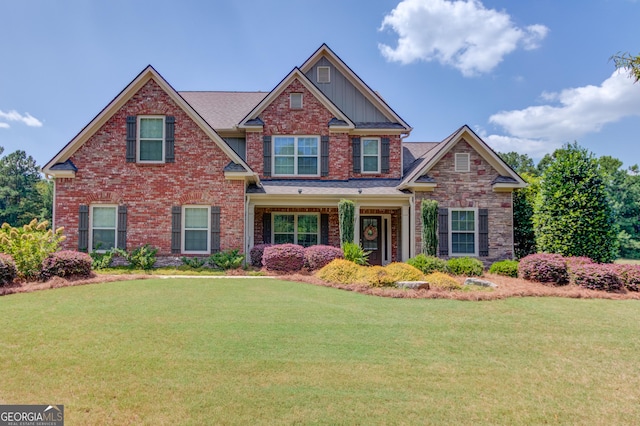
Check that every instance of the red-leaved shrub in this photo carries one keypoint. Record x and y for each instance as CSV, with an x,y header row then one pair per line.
x,y
283,257
66,264
316,257
255,254
8,271
630,276
597,277
544,268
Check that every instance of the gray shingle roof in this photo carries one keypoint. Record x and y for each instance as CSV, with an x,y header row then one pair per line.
x,y
233,167
328,187
413,151
375,125
67,165
504,179
223,110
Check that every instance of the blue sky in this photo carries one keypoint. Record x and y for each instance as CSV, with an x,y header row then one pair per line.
x,y
527,76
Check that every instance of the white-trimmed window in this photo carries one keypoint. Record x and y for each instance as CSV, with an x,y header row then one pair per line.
x,y
103,228
461,162
196,229
371,155
295,100
463,232
296,155
151,138
296,228
323,75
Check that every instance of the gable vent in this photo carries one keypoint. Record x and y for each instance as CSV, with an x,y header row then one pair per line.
x,y
295,101
324,75
462,162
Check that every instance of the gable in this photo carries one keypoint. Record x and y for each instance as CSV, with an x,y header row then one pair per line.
x,y
345,95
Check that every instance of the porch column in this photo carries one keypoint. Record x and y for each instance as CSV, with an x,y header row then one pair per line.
x,y
406,234
249,226
356,225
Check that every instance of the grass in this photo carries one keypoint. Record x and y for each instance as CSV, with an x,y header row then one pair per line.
x,y
238,351
629,261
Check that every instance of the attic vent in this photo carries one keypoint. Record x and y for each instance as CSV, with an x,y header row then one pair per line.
x,y
295,101
324,75
462,162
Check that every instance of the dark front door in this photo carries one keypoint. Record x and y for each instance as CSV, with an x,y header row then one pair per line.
x,y
371,237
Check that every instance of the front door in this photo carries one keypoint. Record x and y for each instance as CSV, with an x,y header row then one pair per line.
x,y
371,237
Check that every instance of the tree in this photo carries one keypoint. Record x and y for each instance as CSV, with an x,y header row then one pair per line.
x,y
24,195
573,214
521,163
429,215
346,218
628,62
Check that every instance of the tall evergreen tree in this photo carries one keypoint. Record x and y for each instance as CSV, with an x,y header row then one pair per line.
x,y
573,214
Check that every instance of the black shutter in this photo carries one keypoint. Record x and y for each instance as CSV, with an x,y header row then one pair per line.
x,y
324,155
266,228
169,138
83,228
122,227
215,229
324,229
131,139
443,232
176,228
266,153
483,232
385,155
355,142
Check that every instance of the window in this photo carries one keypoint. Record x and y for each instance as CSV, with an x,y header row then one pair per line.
x,y
324,75
295,101
196,226
462,162
151,139
296,228
370,155
463,232
295,155
104,223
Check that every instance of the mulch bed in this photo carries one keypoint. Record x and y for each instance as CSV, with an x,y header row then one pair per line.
x,y
507,287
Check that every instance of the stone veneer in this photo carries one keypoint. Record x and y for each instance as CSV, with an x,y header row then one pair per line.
x,y
471,189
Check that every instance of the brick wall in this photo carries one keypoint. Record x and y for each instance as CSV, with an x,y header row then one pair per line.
x,y
149,191
313,119
472,189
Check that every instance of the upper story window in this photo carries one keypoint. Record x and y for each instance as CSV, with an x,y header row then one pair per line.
x,y
295,101
104,224
296,155
323,75
151,137
462,162
371,155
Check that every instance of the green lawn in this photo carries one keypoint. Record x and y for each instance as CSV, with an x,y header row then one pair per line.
x,y
259,351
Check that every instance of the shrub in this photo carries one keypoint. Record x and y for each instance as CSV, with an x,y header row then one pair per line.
x,y
428,264
29,245
544,268
465,266
101,260
404,272
508,268
227,259
66,264
193,262
255,254
8,271
355,253
375,276
629,275
143,257
597,277
442,281
316,257
346,215
283,257
339,271
429,216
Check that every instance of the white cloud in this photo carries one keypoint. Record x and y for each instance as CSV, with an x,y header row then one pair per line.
x,y
13,115
460,33
567,116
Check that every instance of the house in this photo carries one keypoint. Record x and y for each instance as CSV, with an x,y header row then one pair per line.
x,y
192,173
